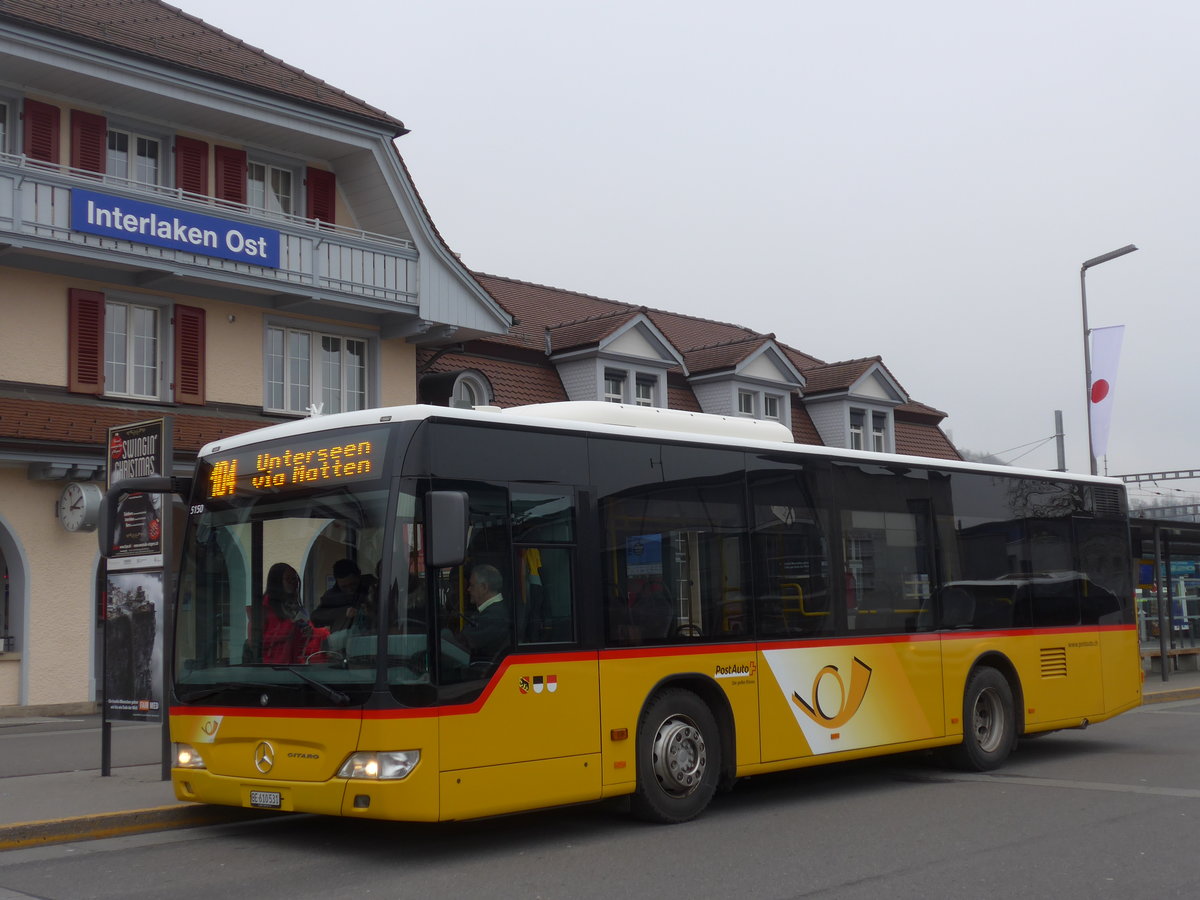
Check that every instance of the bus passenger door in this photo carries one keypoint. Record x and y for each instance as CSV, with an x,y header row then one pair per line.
x,y
520,729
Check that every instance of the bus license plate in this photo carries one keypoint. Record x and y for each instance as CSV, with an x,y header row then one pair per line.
x,y
266,799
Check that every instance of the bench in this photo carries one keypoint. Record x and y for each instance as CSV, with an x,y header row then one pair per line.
x,y
1182,659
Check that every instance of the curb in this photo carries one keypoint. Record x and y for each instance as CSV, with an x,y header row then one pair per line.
x,y
1167,696
23,835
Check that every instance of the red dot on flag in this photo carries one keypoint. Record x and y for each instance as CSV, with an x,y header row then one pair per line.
x,y
1099,390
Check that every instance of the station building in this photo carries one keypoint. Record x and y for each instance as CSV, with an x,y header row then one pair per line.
x,y
193,230
189,229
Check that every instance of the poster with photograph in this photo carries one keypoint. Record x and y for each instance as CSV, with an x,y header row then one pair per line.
x,y
133,627
137,451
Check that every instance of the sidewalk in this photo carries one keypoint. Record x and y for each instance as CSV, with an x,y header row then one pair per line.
x,y
56,807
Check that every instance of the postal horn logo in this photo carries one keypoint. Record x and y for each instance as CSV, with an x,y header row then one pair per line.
x,y
826,714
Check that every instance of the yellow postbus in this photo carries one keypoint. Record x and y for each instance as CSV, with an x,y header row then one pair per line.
x,y
428,614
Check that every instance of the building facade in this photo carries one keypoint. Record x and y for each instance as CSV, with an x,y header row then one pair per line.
x,y
192,230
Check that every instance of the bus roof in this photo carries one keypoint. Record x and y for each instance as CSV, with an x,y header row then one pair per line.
x,y
599,417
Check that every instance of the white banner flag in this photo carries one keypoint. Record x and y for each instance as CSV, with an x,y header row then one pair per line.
x,y
1106,351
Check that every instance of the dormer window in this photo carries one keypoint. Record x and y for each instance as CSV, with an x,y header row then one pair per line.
x,y
770,407
746,403
614,387
644,392
879,432
876,423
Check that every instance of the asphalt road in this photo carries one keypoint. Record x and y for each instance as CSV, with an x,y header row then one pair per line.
x,y
1110,812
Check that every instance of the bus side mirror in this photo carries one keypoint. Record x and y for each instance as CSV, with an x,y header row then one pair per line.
x,y
445,528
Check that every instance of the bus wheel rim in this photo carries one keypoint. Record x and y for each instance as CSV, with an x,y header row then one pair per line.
x,y
679,756
987,720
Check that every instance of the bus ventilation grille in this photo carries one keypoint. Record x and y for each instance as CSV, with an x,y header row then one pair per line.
x,y
1106,501
1054,662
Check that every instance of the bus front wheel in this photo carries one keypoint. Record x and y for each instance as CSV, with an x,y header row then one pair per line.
x,y
678,758
989,724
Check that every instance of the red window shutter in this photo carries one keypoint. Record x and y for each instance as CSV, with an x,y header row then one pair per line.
x,y
189,355
89,141
191,165
231,174
85,341
322,192
41,131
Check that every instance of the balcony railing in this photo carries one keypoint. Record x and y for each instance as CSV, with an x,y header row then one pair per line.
x,y
315,259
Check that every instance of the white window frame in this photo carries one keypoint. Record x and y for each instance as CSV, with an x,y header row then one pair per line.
x,y
643,391
268,203
747,403
470,390
772,407
879,432
132,345
298,379
6,124
857,429
614,386
131,174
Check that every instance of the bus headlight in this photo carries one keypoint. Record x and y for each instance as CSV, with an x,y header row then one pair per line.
x,y
380,766
186,757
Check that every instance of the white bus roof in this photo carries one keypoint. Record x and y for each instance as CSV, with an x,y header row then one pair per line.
x,y
620,419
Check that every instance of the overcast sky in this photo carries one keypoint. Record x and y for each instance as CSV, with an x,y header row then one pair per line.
x,y
918,180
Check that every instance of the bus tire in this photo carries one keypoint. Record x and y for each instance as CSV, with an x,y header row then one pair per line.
x,y
989,723
678,758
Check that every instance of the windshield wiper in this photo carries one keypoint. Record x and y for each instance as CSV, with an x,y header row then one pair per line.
x,y
210,691
331,694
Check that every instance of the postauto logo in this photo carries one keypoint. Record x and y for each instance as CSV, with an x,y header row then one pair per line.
x,y
820,710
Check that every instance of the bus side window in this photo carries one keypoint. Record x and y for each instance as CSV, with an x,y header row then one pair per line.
x,y
544,611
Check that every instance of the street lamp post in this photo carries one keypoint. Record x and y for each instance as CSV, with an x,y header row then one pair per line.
x,y
1087,351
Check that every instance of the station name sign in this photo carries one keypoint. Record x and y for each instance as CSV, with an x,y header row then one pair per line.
x,y
176,229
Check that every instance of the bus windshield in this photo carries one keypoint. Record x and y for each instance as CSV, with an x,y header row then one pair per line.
x,y
282,600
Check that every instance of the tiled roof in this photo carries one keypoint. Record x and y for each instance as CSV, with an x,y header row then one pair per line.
x,y
716,357
588,331
513,383
85,426
538,307
168,35
836,376
923,440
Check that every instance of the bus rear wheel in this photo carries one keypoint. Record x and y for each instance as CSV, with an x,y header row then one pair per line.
x,y
989,723
678,758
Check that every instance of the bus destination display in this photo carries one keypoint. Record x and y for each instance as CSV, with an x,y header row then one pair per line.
x,y
303,463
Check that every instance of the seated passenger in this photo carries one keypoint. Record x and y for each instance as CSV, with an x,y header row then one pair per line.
x,y
287,635
342,602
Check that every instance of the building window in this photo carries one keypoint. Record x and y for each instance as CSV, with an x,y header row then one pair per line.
x,y
746,403
4,128
614,387
770,406
644,392
269,188
131,350
470,390
879,432
133,157
306,368
857,418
